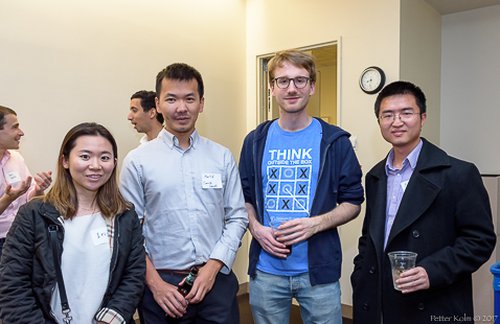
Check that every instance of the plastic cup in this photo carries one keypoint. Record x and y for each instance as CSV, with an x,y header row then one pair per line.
x,y
400,262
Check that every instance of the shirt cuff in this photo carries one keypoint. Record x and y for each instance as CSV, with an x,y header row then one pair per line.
x,y
109,316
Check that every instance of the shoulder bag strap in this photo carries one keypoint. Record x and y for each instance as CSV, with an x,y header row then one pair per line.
x,y
53,229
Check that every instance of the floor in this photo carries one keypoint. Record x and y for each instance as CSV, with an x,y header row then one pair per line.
x,y
246,315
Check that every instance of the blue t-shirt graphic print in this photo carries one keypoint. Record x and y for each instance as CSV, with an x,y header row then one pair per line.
x,y
290,168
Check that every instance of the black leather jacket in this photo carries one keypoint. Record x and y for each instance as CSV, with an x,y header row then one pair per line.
x,y
27,273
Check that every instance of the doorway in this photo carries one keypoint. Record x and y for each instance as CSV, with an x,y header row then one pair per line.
x,y
323,103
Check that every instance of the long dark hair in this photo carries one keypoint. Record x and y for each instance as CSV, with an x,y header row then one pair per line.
x,y
63,193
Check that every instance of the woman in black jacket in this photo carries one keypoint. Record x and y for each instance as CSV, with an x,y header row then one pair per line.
x,y
96,235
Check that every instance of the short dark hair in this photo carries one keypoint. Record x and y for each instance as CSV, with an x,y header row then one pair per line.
x,y
401,88
180,72
4,111
148,102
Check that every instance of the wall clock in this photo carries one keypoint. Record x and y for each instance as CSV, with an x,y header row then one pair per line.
x,y
372,80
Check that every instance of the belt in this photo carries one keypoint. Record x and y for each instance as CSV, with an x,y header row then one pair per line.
x,y
174,272
181,272
2,240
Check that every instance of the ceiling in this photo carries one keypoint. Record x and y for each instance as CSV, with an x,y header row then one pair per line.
x,y
451,6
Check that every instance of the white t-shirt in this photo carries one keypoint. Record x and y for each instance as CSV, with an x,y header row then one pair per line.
x,y
85,267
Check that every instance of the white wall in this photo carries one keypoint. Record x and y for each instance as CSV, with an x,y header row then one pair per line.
x,y
470,98
420,59
64,62
483,292
368,32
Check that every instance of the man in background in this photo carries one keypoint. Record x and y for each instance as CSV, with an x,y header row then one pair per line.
x,y
17,185
422,200
187,190
143,115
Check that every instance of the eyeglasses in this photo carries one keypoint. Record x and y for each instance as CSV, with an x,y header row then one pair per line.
x,y
300,82
404,116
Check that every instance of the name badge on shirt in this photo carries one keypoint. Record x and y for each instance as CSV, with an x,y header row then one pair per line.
x,y
404,184
12,177
100,235
211,181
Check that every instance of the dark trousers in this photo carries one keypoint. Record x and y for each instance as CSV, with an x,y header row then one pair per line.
x,y
220,305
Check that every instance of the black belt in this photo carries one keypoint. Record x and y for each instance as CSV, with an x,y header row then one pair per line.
x,y
174,272
181,272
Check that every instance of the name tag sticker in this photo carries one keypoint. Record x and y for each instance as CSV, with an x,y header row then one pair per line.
x,y
211,181
12,177
404,184
100,235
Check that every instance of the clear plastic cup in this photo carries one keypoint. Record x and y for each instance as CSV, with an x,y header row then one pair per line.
x,y
400,262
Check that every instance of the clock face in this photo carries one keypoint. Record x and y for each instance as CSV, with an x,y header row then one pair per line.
x,y
372,80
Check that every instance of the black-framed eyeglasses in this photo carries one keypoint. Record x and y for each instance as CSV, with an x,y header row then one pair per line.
x,y
300,82
404,116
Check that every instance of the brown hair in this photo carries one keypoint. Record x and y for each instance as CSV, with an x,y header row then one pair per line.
x,y
295,57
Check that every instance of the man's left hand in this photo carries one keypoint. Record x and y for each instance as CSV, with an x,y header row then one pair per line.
x,y
204,281
297,230
413,280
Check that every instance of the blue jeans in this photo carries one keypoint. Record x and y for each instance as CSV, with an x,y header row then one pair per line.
x,y
271,299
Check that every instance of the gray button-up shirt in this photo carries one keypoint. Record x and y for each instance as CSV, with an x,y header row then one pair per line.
x,y
191,201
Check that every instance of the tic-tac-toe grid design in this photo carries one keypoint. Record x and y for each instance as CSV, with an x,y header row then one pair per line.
x,y
288,188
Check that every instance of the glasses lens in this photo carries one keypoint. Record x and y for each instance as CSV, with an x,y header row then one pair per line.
x,y
387,117
403,116
300,82
282,82
406,115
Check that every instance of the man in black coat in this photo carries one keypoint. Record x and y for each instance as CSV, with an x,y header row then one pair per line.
x,y
422,200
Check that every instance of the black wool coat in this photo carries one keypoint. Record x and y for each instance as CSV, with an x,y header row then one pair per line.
x,y
445,217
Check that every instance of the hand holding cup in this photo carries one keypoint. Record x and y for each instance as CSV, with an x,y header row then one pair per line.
x,y
400,262
276,222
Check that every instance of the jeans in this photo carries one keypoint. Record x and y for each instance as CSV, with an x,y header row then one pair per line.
x,y
271,299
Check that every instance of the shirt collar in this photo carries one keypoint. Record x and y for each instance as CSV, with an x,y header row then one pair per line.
x,y
172,141
410,160
143,139
5,157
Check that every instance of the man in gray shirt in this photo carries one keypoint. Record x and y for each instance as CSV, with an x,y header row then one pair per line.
x,y
189,189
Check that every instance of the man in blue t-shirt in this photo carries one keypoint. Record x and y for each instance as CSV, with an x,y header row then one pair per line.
x,y
301,180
